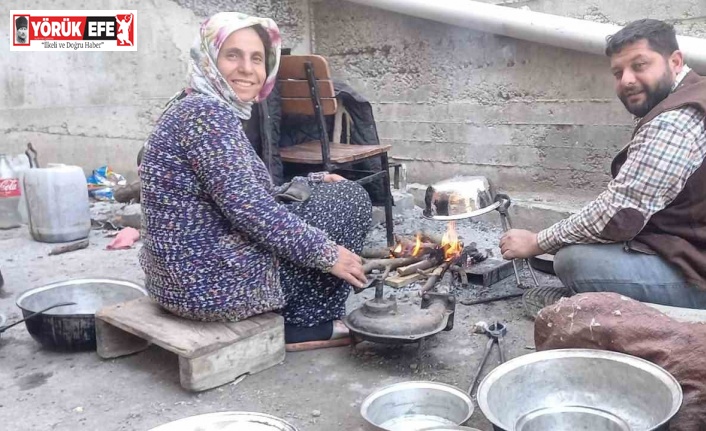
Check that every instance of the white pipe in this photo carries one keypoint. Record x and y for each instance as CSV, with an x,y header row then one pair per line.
x,y
570,33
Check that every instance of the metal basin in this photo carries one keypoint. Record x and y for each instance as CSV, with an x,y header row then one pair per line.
x,y
73,327
459,198
413,406
582,387
570,418
228,421
450,428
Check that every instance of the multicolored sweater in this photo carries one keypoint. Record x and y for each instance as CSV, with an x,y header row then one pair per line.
x,y
213,233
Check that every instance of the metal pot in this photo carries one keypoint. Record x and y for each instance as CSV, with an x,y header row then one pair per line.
x,y
410,406
228,421
459,198
73,327
579,389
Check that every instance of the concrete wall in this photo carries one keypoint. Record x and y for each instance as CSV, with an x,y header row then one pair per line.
x,y
450,100
456,101
95,108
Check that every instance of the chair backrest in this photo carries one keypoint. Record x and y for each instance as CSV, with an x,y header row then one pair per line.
x,y
295,89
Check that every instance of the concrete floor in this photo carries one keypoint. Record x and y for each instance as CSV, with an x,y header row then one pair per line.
x,y
315,391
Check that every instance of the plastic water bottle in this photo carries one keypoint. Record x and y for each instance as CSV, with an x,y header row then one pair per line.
x,y
9,195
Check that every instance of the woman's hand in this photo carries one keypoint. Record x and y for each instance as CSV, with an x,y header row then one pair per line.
x,y
333,178
349,267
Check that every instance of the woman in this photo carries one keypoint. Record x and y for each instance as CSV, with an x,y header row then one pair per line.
x,y
218,246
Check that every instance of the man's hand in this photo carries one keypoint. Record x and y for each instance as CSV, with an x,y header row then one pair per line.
x,y
349,267
519,244
333,178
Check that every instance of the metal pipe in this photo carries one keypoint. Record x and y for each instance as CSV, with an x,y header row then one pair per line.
x,y
564,32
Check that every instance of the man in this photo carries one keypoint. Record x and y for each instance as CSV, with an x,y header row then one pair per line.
x,y
21,24
645,236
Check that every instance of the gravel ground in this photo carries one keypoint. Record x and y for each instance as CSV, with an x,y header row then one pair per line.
x,y
316,391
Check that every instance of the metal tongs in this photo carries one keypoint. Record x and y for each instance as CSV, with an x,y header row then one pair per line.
x,y
505,219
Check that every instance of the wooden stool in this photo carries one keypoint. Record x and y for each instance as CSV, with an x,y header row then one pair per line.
x,y
210,353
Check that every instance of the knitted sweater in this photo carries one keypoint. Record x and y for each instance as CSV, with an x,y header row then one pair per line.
x,y
212,232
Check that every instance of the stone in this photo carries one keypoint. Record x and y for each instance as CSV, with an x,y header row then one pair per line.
x,y
404,203
590,321
130,216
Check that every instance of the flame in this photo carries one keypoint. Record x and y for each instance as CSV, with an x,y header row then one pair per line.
x,y
397,250
417,246
449,242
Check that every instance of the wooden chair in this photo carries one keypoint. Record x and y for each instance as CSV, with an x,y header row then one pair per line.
x,y
307,89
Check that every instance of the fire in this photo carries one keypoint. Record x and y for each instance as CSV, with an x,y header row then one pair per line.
x,y
398,250
407,248
417,246
449,242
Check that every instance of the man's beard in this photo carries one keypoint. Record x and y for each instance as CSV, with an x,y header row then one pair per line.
x,y
653,96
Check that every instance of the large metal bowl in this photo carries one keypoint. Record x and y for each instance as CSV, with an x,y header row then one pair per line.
x,y
450,428
73,327
228,421
459,198
580,388
412,406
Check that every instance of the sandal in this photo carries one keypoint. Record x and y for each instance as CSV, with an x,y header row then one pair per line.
x,y
330,334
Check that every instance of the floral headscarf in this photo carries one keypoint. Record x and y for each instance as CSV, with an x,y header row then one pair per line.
x,y
204,76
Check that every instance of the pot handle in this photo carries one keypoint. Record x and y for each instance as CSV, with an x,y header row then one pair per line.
x,y
61,304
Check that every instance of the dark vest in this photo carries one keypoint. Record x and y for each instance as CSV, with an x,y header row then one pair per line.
x,y
678,232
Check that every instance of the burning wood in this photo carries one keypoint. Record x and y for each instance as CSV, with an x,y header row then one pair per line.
x,y
405,247
428,256
379,264
429,262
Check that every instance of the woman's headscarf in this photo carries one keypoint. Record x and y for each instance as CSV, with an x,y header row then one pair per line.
x,y
204,76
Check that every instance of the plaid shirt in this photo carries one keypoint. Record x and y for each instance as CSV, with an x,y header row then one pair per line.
x,y
661,157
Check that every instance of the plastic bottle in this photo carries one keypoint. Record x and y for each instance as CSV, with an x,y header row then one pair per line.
x,y
57,203
9,195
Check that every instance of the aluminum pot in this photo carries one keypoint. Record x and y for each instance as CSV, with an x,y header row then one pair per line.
x,y
414,406
73,327
459,198
228,421
579,389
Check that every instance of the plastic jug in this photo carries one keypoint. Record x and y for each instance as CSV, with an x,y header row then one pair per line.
x,y
57,203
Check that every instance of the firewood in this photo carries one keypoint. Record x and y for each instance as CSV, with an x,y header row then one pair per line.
x,y
461,273
405,246
435,276
399,281
78,245
427,263
375,253
433,238
371,265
